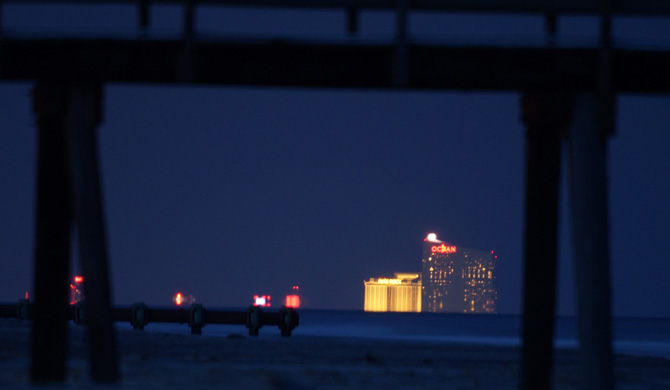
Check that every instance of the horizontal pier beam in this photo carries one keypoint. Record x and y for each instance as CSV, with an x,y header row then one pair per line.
x,y
178,315
655,7
8,311
327,65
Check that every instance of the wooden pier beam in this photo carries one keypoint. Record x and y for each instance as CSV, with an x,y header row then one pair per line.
x,y
84,115
68,195
590,231
546,117
52,237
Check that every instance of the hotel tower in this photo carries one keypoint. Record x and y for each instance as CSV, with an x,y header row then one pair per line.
x,y
457,279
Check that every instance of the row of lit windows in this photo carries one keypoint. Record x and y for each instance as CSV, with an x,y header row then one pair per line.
x,y
477,275
478,282
479,270
480,290
448,278
475,304
480,301
439,282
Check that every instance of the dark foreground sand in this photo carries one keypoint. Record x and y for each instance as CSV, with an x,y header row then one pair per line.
x,y
182,361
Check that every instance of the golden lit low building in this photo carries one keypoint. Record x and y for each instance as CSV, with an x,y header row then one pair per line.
x,y
401,293
376,295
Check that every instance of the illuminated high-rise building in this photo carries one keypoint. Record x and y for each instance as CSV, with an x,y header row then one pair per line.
x,y
457,279
401,293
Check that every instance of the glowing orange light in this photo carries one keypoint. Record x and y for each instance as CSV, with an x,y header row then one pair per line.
x,y
292,301
443,249
179,299
76,293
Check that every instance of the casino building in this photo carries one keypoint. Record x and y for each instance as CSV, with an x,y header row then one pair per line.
x,y
401,293
457,279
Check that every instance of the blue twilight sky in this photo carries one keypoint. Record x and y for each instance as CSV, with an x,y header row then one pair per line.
x,y
224,192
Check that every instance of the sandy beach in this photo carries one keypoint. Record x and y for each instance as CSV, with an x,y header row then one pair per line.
x,y
181,361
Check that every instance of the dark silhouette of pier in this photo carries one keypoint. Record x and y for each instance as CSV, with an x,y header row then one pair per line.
x,y
568,100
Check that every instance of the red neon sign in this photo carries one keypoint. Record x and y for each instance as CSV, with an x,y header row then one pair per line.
x,y
78,279
443,249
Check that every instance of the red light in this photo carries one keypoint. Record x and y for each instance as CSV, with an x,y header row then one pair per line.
x,y
76,293
178,299
292,301
491,252
443,249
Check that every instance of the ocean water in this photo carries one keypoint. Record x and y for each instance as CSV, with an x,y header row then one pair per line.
x,y
636,336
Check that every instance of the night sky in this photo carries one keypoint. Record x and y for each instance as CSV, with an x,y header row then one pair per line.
x,y
225,192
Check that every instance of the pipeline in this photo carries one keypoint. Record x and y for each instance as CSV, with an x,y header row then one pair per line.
x,y
196,316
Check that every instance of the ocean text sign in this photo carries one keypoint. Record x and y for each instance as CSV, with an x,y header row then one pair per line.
x,y
443,249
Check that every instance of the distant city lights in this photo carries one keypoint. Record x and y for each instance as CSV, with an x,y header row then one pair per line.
x,y
76,290
293,300
262,300
180,299
457,279
452,279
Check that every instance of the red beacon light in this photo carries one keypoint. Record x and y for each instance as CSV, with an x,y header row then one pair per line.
x,y
178,299
293,300
76,290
